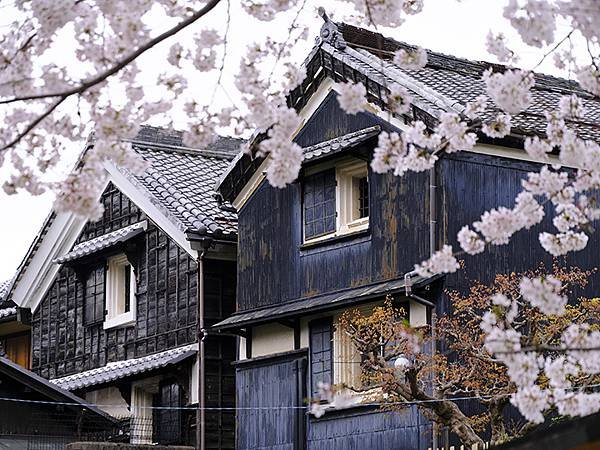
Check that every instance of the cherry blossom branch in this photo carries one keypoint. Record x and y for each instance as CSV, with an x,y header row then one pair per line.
x,y
123,62
225,39
34,123
554,48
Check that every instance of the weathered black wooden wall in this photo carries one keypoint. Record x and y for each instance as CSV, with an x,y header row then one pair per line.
x,y
272,268
270,398
473,183
165,318
368,428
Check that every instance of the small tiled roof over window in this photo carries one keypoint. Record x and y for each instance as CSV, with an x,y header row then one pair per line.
x,y
7,308
101,242
123,369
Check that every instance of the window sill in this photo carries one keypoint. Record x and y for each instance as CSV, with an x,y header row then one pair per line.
x,y
337,237
120,321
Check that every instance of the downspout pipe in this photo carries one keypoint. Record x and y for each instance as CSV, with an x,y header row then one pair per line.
x,y
432,210
201,416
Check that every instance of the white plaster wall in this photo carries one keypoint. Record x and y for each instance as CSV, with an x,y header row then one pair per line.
x,y
110,401
270,339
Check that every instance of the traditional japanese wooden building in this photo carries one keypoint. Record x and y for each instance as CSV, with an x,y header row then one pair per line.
x,y
342,236
118,304
15,329
39,414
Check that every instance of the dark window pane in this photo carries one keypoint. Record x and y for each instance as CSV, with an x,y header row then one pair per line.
x,y
168,422
321,347
93,310
127,269
363,197
319,204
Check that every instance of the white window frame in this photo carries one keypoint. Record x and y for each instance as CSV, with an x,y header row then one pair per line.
x,y
115,293
347,360
347,174
141,414
347,196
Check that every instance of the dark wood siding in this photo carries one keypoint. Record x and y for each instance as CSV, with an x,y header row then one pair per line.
x,y
220,352
272,268
166,312
165,317
269,395
365,428
471,184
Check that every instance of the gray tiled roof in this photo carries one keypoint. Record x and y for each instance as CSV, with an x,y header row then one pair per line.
x,y
6,312
181,180
318,303
339,144
101,242
455,81
122,369
4,288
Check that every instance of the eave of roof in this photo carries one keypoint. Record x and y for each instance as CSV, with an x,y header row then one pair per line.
x,y
318,303
50,390
124,369
99,243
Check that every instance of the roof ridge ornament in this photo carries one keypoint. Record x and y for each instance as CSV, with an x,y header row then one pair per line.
x,y
330,33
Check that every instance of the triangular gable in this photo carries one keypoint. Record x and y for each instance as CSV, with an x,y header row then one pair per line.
x,y
59,233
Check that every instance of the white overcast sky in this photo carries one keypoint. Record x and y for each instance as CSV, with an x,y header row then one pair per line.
x,y
448,26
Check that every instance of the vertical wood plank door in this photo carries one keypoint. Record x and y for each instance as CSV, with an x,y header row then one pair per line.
x,y
270,398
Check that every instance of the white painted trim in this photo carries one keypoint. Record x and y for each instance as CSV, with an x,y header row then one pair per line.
x,y
151,210
305,114
116,316
120,321
41,271
63,232
251,186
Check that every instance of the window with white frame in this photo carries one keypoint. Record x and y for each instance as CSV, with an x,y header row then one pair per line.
x,y
336,200
347,361
120,292
141,415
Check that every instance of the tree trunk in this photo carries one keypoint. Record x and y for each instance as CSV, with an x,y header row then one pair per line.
x,y
495,409
445,412
450,415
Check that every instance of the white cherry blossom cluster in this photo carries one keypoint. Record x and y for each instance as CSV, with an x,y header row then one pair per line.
x,y
442,261
386,13
329,398
535,20
510,90
544,293
351,97
411,59
496,45
527,367
497,127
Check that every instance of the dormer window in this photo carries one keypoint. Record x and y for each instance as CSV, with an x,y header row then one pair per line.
x,y
120,292
336,200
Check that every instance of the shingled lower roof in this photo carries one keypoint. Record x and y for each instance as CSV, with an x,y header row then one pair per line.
x,y
123,369
101,242
318,303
